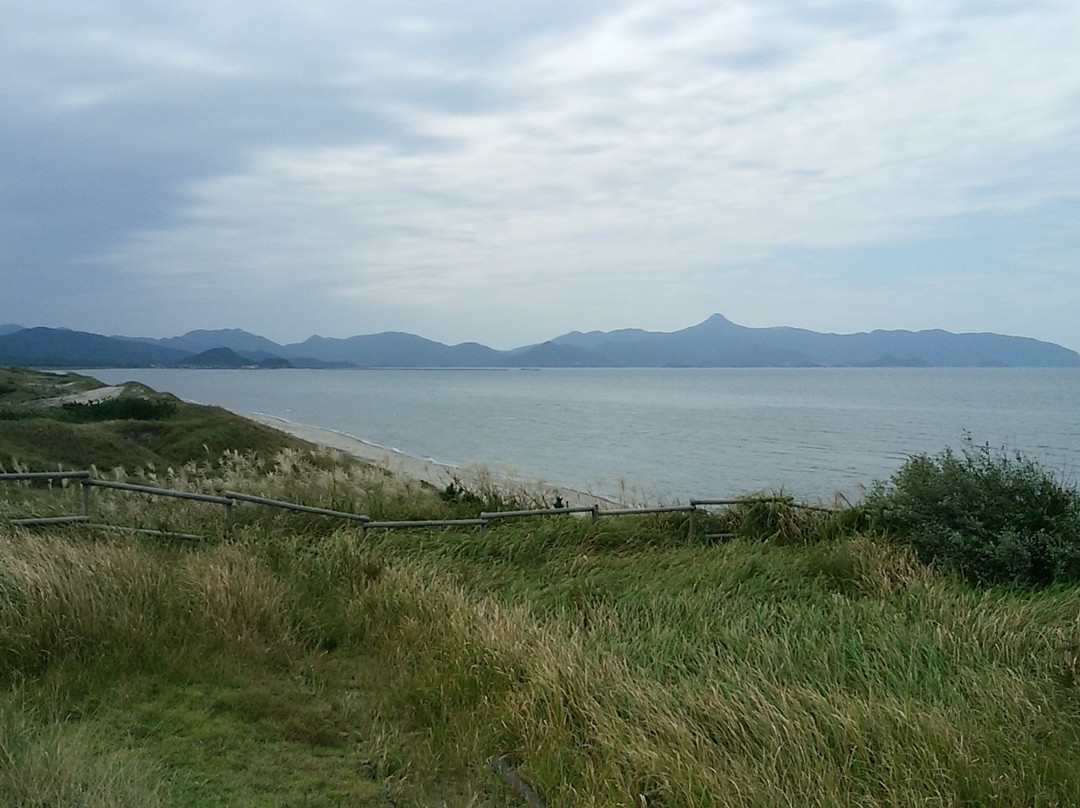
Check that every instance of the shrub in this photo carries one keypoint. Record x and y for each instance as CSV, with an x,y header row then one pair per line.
x,y
992,517
17,414
776,519
121,409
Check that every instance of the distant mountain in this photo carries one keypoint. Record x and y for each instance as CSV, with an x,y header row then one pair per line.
x,y
215,358
254,349
716,342
59,347
395,349
243,342
228,358
552,354
9,328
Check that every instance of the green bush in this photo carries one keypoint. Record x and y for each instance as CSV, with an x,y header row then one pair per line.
x,y
992,517
780,519
121,409
18,414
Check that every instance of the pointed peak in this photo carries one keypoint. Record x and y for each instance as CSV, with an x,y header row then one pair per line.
x,y
716,321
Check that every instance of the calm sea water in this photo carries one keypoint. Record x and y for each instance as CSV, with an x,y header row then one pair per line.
x,y
666,434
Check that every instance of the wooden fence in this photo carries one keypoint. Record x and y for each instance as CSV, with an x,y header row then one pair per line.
x,y
228,499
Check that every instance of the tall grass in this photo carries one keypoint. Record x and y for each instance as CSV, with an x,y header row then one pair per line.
x,y
740,674
802,660
114,602
853,676
316,477
193,647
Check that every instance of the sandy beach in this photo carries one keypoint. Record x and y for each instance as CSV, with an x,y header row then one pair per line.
x,y
425,470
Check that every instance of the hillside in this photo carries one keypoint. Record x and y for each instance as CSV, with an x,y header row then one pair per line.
x,y
394,349
56,347
716,342
227,358
45,425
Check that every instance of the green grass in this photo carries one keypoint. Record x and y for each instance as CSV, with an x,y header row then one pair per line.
x,y
807,661
843,672
243,732
141,427
23,386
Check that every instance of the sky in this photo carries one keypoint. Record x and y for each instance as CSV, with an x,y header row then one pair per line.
x,y
505,172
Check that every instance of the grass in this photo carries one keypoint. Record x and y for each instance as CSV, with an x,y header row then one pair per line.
x,y
243,733
140,428
845,673
808,660
840,673
195,666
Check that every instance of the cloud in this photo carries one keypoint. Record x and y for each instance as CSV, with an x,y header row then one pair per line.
x,y
436,163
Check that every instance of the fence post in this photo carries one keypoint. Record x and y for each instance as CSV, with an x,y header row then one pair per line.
x,y
595,513
228,516
690,533
85,498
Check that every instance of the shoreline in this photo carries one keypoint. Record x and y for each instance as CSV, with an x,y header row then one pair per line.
x,y
427,471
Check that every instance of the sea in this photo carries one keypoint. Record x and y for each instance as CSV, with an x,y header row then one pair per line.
x,y
664,436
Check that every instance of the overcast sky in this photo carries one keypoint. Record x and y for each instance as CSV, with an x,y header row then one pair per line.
x,y
508,171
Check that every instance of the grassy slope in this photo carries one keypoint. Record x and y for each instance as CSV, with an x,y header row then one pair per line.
x,y
618,664
42,437
845,673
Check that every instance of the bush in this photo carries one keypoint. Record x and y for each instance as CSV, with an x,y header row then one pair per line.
x,y
779,519
121,409
989,516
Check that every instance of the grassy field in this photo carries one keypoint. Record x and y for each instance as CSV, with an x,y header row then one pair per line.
x,y
810,660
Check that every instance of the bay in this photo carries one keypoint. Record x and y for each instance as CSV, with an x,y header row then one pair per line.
x,y
663,435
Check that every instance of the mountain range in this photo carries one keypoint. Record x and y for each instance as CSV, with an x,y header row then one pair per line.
x,y
716,342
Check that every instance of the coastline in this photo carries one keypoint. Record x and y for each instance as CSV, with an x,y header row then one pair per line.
x,y
417,468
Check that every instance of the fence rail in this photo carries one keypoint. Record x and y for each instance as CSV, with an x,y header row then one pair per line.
x,y
642,511
145,531
537,512
229,498
38,521
43,475
160,492
426,523
763,500
292,506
